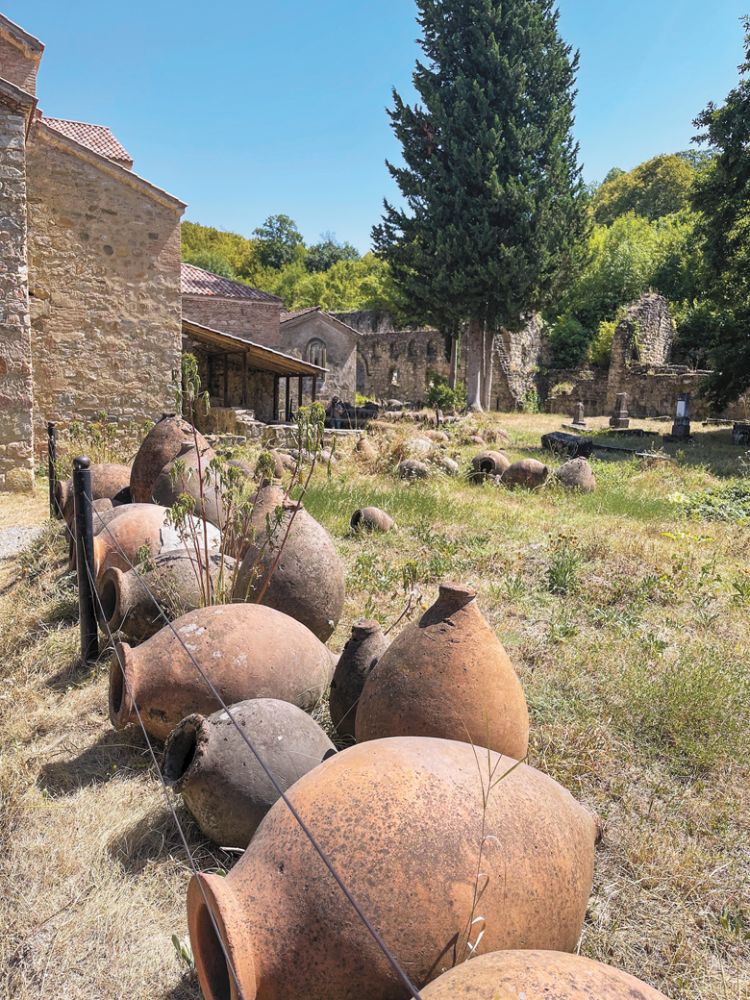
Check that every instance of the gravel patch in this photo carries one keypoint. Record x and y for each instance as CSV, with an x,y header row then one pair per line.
x,y
14,540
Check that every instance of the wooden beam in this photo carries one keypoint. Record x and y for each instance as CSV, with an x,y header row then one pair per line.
x,y
276,397
299,392
288,416
226,380
244,380
314,388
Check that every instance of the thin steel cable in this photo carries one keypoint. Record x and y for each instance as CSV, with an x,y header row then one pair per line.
x,y
374,933
167,798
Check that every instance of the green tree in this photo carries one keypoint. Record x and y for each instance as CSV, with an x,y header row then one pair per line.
x,y
210,260
658,187
237,251
722,196
491,183
278,241
328,251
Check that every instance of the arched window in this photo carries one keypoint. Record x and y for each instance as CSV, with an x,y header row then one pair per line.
x,y
316,352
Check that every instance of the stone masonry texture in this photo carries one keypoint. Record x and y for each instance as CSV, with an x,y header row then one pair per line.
x,y
104,284
16,433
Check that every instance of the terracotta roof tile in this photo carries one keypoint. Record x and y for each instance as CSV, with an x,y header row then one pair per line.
x,y
95,137
195,281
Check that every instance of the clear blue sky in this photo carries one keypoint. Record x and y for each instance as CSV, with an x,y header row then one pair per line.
x,y
245,108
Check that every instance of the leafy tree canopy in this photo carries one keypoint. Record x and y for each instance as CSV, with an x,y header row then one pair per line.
x,y
210,260
328,251
659,187
278,241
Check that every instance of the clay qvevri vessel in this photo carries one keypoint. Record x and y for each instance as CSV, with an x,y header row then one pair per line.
x,y
102,516
144,528
107,481
371,519
184,476
528,473
169,438
176,582
447,675
246,651
307,582
577,474
410,468
365,450
403,821
537,975
362,651
219,778
488,463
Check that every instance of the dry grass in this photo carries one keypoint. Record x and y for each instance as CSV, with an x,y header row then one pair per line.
x,y
630,634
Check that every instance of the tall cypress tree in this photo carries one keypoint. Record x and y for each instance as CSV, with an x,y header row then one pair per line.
x,y
491,183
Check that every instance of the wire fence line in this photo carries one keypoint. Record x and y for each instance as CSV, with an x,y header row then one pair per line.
x,y
352,900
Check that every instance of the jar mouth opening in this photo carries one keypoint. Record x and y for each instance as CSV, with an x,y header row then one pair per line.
x,y
457,590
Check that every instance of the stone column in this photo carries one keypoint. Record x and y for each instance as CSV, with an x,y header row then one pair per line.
x,y
16,422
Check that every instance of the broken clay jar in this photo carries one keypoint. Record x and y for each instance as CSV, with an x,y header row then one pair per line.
x,y
488,463
307,581
144,529
221,781
190,474
176,582
447,675
363,650
108,480
528,473
537,975
409,823
371,519
169,438
245,650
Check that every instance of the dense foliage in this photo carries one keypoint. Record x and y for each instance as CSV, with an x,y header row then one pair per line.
x,y
327,273
722,197
492,193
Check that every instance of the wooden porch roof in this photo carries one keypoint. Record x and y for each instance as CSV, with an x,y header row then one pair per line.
x,y
259,357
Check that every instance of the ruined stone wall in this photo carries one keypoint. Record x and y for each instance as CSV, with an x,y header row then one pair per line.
x,y
341,352
16,431
643,337
517,361
257,321
397,364
104,281
19,63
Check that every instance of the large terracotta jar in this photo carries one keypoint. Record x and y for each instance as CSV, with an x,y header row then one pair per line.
x,y
108,481
537,975
366,645
144,529
102,514
222,783
488,463
174,583
447,675
190,474
528,473
307,582
245,650
169,438
444,849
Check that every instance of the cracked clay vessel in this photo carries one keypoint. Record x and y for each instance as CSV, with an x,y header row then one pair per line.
x,y
537,975
245,650
362,651
447,675
221,782
403,821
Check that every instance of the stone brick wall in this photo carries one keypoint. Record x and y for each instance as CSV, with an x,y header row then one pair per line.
x,y
257,321
16,432
104,282
518,358
19,56
340,348
643,336
395,364
259,384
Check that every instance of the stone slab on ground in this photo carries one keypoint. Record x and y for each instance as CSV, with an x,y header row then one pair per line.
x,y
14,540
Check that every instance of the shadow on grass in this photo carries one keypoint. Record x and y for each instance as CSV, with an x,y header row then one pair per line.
x,y
111,753
186,989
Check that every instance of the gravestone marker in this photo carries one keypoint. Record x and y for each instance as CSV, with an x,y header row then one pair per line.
x,y
619,418
579,420
681,425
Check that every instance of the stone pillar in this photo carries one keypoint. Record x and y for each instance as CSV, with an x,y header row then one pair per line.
x,y
16,422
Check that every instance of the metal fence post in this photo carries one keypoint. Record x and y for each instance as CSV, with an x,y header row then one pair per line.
x,y
85,557
51,468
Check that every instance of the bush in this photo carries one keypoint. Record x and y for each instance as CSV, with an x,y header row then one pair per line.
x,y
569,340
600,348
441,396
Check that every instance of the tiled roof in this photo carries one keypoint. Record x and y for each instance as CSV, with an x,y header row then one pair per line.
x,y
95,137
196,281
